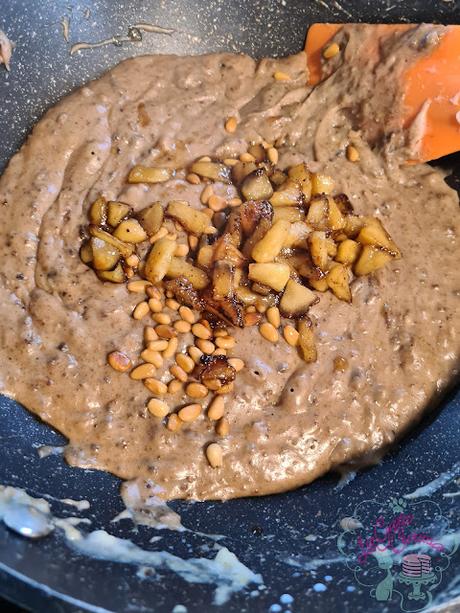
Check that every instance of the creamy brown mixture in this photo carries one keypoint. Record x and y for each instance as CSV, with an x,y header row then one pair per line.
x,y
289,421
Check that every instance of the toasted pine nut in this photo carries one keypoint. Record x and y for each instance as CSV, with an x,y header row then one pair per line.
x,y
157,407
210,214
225,342
216,203
222,427
213,384
206,194
219,351
185,362
291,336
273,316
133,260
159,345
161,318
193,241
206,324
172,304
331,51
200,331
155,305
190,412
181,250
174,386
138,287
352,154
119,361
216,408
269,332
187,314
196,390
165,331
204,158
251,309
226,389
193,178
214,455
261,307
141,310
178,372
143,371
172,347
174,423
235,202
155,386
231,161
195,353
205,346
129,272
162,232
153,292
251,319
236,363
182,326
247,157
220,333
273,156
230,124
152,357
150,334
281,76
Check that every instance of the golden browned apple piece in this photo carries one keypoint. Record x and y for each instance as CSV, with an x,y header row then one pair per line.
x,y
191,219
144,174
273,275
181,268
297,299
105,256
116,212
98,212
257,186
126,249
130,231
159,259
151,218
338,280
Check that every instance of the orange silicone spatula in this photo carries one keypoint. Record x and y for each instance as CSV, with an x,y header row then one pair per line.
x,y
432,80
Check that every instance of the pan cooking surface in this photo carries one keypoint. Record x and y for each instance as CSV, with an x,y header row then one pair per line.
x,y
293,539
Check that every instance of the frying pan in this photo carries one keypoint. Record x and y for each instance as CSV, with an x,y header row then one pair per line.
x,y
290,538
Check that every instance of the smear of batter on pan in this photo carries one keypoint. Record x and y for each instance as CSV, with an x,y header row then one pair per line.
x,y
225,572
134,35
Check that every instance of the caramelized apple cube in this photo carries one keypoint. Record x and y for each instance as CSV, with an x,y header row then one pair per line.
x,y
296,300
272,274
338,280
371,259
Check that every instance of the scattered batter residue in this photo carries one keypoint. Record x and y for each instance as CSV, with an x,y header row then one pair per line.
x,y
134,35
46,450
65,23
436,484
225,572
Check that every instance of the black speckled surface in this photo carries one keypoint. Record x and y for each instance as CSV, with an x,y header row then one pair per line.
x,y
290,539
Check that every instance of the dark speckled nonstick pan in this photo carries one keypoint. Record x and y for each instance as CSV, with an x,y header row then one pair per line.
x,y
294,540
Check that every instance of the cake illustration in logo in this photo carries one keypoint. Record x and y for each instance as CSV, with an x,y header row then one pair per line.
x,y
416,565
